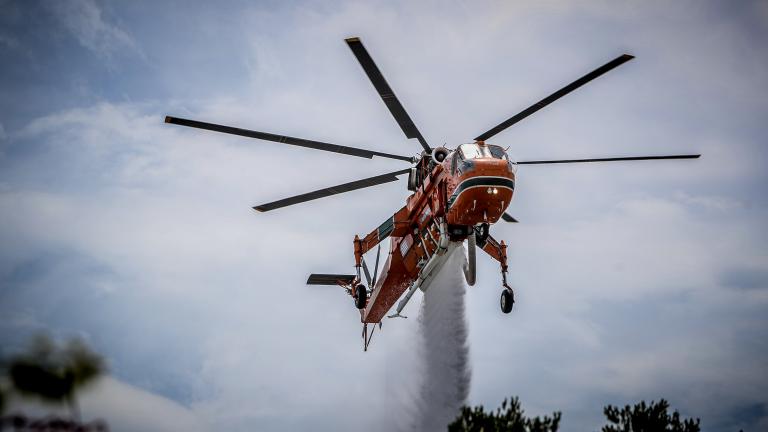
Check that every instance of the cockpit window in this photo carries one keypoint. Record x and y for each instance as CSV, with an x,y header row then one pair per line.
x,y
471,151
474,151
498,152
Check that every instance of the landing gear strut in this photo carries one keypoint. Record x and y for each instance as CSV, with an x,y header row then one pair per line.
x,y
507,295
497,250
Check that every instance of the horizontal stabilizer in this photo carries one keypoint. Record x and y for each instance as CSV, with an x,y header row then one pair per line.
x,y
330,279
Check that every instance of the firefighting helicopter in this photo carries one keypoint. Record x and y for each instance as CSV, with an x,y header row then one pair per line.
x,y
457,194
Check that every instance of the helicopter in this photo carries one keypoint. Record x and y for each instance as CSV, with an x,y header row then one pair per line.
x,y
456,195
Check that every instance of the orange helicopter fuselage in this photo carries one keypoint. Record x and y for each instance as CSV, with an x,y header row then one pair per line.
x,y
457,193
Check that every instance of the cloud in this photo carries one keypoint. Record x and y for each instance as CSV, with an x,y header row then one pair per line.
x,y
10,42
720,203
745,278
85,21
140,234
122,216
123,407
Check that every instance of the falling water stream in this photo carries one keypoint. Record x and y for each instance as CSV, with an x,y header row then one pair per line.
x,y
444,349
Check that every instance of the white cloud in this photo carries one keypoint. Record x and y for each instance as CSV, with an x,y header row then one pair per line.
x,y
711,202
85,21
123,407
167,210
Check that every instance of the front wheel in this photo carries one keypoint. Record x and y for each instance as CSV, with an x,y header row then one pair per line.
x,y
361,296
481,235
507,301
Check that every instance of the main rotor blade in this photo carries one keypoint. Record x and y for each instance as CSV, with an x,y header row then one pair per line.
x,y
322,193
386,93
631,158
618,61
508,218
282,139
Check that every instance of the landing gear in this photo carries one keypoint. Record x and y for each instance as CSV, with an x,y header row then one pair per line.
x,y
507,300
507,295
497,250
481,234
361,296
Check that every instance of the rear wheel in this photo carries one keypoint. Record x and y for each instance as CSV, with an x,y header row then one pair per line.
x,y
507,301
361,296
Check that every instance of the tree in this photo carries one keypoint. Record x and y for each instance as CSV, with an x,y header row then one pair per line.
x,y
509,417
55,373
647,418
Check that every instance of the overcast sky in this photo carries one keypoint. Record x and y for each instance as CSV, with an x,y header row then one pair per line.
x,y
634,280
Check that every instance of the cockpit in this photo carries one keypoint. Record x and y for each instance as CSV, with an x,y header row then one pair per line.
x,y
463,156
475,151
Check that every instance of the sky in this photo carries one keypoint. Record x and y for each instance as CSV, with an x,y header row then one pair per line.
x,y
633,281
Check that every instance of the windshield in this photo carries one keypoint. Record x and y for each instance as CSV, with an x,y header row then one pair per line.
x,y
498,152
474,151
471,151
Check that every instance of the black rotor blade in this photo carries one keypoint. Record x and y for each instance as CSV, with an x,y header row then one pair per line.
x,y
386,93
333,190
282,139
618,61
508,218
613,159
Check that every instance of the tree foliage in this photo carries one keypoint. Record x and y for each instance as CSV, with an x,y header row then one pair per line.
x,y
509,417
647,418
54,373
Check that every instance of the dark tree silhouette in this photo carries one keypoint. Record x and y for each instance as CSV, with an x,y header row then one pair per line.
x,y
647,418
55,373
509,417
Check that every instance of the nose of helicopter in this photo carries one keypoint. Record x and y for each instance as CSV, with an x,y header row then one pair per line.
x,y
482,193
491,166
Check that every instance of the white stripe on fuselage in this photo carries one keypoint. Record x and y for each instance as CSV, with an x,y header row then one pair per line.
x,y
481,185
